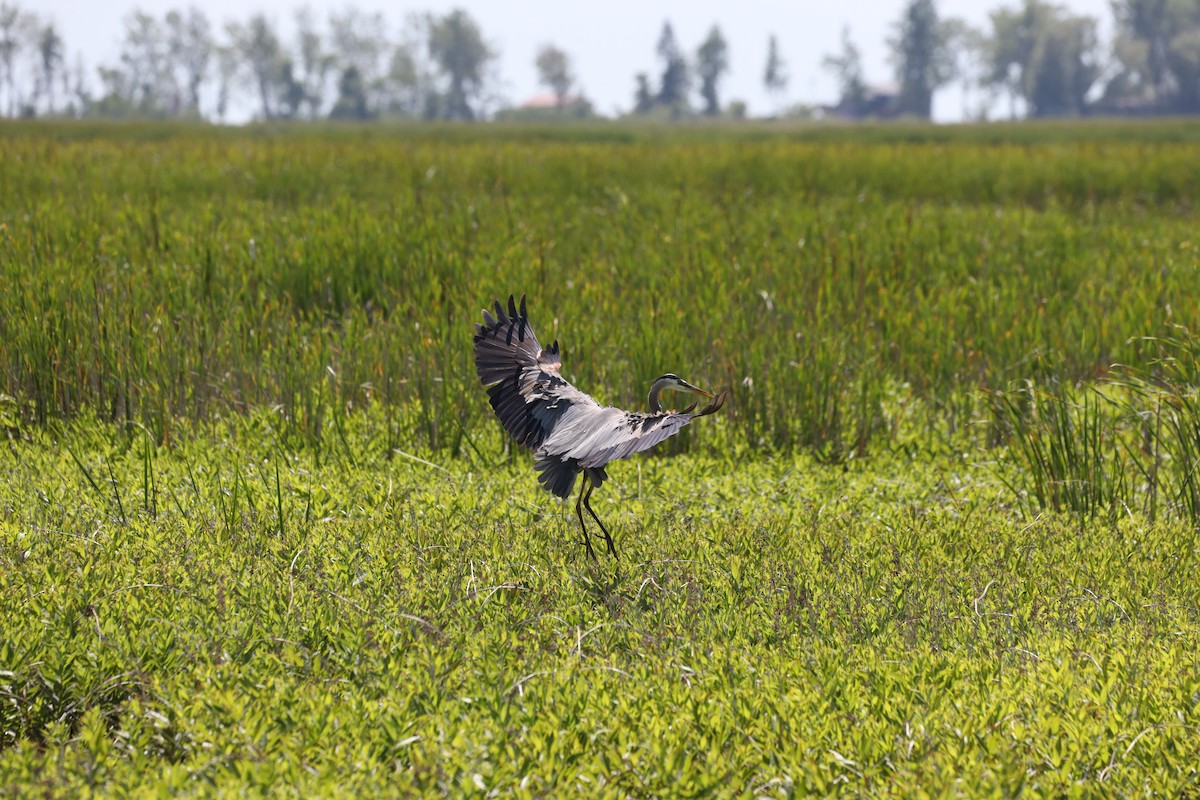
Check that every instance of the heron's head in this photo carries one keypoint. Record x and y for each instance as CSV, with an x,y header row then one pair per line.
x,y
672,381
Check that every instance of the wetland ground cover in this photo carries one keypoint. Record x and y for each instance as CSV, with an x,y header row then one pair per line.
x,y
260,533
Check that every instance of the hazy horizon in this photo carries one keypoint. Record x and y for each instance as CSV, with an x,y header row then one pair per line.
x,y
608,47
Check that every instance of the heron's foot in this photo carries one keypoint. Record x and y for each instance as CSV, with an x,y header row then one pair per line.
x,y
612,548
587,542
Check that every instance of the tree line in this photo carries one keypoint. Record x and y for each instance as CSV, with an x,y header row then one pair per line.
x,y
1046,60
182,66
1049,60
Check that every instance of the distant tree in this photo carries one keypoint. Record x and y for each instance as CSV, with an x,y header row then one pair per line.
x,y
10,47
142,82
673,87
22,36
964,43
189,49
50,60
643,97
922,56
1007,52
1144,29
554,72
351,102
227,70
291,91
312,63
1157,51
775,77
1064,68
847,68
359,40
405,84
258,49
116,92
1044,55
461,56
410,87
75,88
712,62
1184,61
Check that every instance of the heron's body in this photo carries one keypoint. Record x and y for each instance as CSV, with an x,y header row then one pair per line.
x,y
568,431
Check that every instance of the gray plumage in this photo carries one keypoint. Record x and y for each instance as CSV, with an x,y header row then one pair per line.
x,y
568,431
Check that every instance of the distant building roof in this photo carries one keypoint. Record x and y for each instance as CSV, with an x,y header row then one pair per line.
x,y
549,100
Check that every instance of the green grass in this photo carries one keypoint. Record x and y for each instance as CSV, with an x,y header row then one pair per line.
x,y
274,616
260,533
186,276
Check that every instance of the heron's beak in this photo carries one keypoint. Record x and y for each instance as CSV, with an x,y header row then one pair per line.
x,y
687,387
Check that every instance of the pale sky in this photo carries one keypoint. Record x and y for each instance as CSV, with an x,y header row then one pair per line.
x,y
609,42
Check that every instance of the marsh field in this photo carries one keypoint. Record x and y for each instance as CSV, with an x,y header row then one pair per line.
x,y
260,532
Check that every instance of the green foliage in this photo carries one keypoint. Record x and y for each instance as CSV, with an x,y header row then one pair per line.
x,y
167,273
337,619
1168,411
1067,447
1132,442
260,532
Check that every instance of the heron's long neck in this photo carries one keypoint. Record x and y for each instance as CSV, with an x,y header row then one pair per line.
x,y
652,401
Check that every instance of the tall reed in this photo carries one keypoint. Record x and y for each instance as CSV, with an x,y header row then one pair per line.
x,y
153,275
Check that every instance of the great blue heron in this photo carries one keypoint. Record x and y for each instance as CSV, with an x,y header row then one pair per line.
x,y
568,431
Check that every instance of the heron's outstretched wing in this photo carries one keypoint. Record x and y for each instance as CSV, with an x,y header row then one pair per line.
x,y
522,378
625,433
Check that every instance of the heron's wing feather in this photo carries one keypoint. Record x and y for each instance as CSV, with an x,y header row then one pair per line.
x,y
522,378
628,433
507,339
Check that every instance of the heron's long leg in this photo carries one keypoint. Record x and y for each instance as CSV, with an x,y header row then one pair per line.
x,y
587,502
587,537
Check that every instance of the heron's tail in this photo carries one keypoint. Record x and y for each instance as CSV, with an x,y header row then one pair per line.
x,y
556,475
